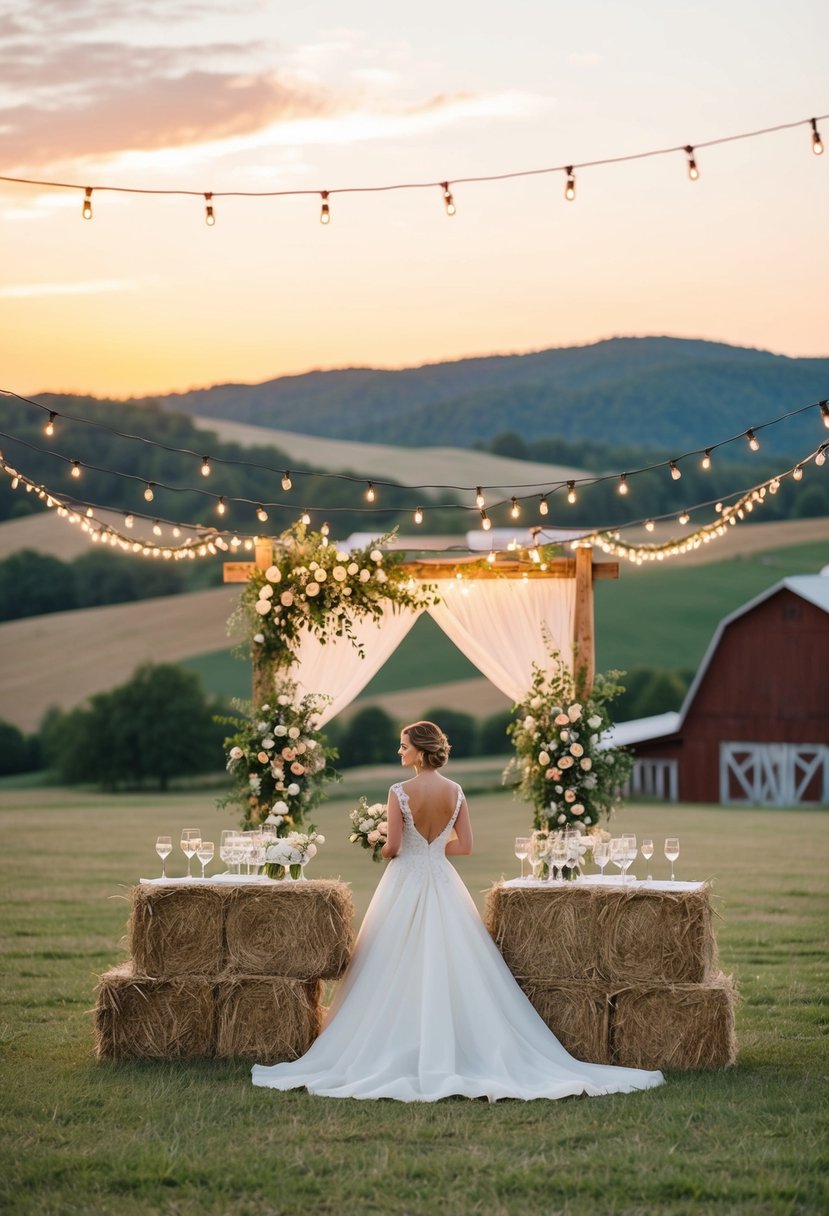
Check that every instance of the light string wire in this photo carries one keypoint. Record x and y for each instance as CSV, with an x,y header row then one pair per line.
x,y
209,540
209,195
545,489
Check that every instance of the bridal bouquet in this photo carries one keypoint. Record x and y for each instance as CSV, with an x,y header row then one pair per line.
x,y
369,826
291,853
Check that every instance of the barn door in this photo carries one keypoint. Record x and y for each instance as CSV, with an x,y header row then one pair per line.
x,y
774,774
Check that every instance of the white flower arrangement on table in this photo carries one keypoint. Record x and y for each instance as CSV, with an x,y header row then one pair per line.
x,y
369,826
313,585
278,759
290,853
564,772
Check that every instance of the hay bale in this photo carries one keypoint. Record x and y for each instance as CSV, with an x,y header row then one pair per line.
x,y
649,936
679,1026
301,930
578,1013
547,934
267,1019
140,1018
176,930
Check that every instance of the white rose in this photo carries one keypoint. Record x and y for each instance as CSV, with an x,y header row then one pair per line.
x,y
287,598
574,712
322,574
376,555
280,808
320,838
587,819
381,576
266,593
594,721
293,733
280,730
564,736
529,722
365,825
594,738
536,703
353,567
268,743
346,591
236,753
312,589
263,607
312,850
543,759
562,818
339,574
272,574
365,575
293,789
259,637
282,699
342,557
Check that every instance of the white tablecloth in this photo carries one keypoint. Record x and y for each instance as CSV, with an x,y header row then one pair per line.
x,y
225,880
596,880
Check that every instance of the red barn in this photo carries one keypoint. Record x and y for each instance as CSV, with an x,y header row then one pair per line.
x,y
754,726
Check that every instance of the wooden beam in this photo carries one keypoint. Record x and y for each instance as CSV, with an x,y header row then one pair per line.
x,y
558,567
583,622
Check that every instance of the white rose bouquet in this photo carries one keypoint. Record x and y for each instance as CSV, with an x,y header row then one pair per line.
x,y
369,826
290,853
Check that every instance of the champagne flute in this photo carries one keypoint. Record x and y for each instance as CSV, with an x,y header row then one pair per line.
x,y
164,847
205,853
190,838
672,852
601,855
522,849
647,853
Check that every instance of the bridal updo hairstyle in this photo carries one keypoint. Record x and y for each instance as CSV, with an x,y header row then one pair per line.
x,y
431,741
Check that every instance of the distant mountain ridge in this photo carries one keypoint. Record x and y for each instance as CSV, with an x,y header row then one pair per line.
x,y
658,392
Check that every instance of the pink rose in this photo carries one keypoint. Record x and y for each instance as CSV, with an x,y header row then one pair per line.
x,y
297,769
586,764
562,720
288,753
287,598
263,758
576,749
569,796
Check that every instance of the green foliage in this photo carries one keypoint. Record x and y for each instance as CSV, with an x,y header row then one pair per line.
x,y
494,737
650,691
157,726
370,737
18,754
460,728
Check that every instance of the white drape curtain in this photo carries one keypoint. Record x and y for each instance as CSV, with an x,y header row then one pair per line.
x,y
336,670
499,623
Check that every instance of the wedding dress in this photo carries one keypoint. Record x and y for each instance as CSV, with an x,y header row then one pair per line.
x,y
428,1008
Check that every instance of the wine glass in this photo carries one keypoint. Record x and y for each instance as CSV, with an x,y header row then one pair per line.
x,y
522,850
601,855
647,853
630,855
190,840
558,858
226,846
619,852
205,853
672,852
572,847
164,847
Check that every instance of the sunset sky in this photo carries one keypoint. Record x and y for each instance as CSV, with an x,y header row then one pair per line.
x,y
259,95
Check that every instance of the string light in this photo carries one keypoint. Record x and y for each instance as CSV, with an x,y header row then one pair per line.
x,y
490,557
823,406
156,528
418,515
129,520
820,458
205,467
706,460
543,505
570,185
49,429
325,530
817,143
209,217
486,522
305,518
370,494
571,491
753,441
325,212
286,481
623,483
448,201
76,468
479,498
797,472
649,525
261,514
149,493
676,472
86,209
693,171
221,505
514,510
684,517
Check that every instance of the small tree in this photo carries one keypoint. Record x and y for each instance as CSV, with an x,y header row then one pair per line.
x,y
370,737
461,730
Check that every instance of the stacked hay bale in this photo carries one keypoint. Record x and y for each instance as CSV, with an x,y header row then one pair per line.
x,y
228,971
620,975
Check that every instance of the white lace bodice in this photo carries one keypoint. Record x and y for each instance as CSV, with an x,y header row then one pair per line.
x,y
415,848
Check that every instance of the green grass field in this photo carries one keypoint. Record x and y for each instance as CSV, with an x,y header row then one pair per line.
x,y
188,1138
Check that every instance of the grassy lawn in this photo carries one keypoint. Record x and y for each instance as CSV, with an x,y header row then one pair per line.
x,y
78,1137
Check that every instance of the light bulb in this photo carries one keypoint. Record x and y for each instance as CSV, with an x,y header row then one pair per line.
x,y
706,460
449,202
176,531
693,171
418,515
262,515
684,517
571,491
570,185
148,493
221,505
325,530
86,210
325,214
676,472
817,143
49,429
797,472
205,467
820,457
514,510
305,518
486,522
479,497
156,528
129,520
490,557
824,412
623,483
88,512
76,468
649,525
286,481
753,441
370,495
209,217
543,506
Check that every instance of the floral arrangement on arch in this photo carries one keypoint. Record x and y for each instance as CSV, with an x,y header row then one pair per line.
x,y
278,759
564,773
314,585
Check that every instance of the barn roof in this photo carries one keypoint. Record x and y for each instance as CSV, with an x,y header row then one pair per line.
x,y
811,587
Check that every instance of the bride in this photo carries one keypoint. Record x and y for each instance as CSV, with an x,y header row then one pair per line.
x,y
428,1008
